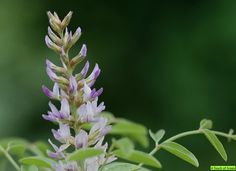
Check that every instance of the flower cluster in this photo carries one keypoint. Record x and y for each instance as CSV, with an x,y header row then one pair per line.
x,y
78,100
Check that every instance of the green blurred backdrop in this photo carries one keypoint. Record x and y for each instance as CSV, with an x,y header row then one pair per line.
x,y
166,64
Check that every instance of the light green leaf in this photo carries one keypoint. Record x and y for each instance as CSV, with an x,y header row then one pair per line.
x,y
4,142
216,143
206,124
39,148
141,139
125,145
158,135
181,152
111,118
82,154
29,168
133,130
139,157
119,166
37,161
17,149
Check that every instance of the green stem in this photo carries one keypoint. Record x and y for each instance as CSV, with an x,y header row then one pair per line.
x,y
10,159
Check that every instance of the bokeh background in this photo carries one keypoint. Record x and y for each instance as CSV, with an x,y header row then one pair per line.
x,y
166,64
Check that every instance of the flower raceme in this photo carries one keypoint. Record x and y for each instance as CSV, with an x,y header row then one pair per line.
x,y
78,100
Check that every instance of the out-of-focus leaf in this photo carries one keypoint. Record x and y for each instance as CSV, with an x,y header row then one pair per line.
x,y
37,161
16,149
3,163
206,124
158,135
29,168
4,142
125,145
82,154
39,148
124,126
181,152
111,118
119,166
216,143
139,157
133,130
141,139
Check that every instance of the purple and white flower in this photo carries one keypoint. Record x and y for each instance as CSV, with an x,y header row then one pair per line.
x,y
81,139
87,112
62,134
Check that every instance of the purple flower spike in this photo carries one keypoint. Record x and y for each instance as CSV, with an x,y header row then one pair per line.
x,y
73,85
81,139
83,51
85,70
62,134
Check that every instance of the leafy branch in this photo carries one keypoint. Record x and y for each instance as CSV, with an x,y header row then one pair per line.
x,y
125,148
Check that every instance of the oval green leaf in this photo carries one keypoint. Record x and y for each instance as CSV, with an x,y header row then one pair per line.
x,y
215,142
119,166
133,130
181,152
125,145
37,161
139,157
28,168
82,154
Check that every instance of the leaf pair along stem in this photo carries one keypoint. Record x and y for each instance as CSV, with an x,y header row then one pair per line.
x,y
184,134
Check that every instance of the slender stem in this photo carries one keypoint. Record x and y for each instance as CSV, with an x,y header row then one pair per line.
x,y
222,134
182,135
10,159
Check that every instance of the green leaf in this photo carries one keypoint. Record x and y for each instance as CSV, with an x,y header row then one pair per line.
x,y
39,148
206,124
139,157
82,154
37,161
119,166
4,142
181,152
133,130
124,126
141,139
157,136
216,143
111,118
17,149
125,145
28,168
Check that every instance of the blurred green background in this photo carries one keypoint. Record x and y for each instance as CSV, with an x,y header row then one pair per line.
x,y
166,64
